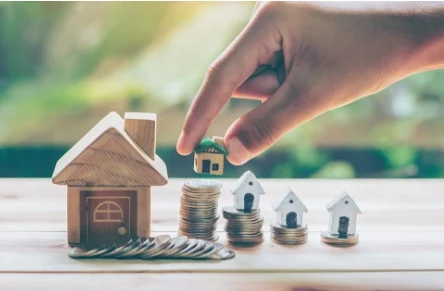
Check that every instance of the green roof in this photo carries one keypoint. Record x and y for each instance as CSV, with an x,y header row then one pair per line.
x,y
206,144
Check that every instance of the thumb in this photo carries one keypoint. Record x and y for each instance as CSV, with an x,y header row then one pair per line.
x,y
249,50
259,129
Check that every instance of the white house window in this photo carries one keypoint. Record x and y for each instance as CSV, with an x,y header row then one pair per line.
x,y
108,211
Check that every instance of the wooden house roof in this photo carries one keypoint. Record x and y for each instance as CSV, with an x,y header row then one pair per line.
x,y
107,156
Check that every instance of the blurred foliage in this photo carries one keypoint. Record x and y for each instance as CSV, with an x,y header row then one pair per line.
x,y
64,65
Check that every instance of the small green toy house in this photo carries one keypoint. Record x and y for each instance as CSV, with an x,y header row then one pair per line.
x,y
209,156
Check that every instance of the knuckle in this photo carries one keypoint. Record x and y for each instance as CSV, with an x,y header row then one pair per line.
x,y
214,70
258,135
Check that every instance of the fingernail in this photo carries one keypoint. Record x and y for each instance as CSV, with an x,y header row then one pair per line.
x,y
237,152
181,146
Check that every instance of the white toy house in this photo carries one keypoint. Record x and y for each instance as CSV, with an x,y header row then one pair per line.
x,y
343,214
289,209
247,191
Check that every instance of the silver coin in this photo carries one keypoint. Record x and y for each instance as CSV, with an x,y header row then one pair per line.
x,y
200,244
162,242
207,248
202,184
117,250
223,254
79,253
176,245
216,248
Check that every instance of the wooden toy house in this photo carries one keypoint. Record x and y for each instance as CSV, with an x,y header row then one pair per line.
x,y
343,215
109,174
289,209
247,191
209,156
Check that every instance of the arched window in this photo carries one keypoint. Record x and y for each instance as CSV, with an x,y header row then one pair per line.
x,y
108,211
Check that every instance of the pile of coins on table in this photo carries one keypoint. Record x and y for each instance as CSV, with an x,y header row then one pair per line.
x,y
339,240
286,235
198,209
243,227
161,247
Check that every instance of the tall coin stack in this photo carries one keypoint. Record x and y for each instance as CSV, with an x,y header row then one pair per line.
x,y
243,227
198,209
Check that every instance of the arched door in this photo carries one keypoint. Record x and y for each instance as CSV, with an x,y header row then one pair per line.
x,y
344,222
292,220
248,202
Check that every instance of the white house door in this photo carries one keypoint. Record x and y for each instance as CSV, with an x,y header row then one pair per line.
x,y
292,219
344,222
248,202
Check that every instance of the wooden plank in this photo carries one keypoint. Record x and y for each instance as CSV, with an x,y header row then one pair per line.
x,y
144,212
387,205
396,281
376,251
73,215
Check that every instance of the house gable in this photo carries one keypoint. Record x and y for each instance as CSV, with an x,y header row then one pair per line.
x,y
243,186
343,200
107,156
283,202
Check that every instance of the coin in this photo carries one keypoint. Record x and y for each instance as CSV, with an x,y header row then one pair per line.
x,y
216,248
333,239
223,254
208,246
117,250
176,245
161,242
79,253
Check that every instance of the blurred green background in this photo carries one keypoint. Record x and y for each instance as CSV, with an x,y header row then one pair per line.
x,y
65,65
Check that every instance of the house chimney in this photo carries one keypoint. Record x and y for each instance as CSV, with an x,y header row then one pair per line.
x,y
141,127
219,140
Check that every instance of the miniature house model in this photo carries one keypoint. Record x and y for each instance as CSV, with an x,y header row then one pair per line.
x,y
343,214
290,209
247,191
209,156
109,174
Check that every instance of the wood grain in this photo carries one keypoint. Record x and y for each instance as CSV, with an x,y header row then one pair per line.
x,y
401,242
73,215
387,205
141,127
397,251
396,281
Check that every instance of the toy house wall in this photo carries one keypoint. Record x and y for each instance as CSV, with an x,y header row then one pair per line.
x,y
140,216
282,216
239,201
334,220
215,159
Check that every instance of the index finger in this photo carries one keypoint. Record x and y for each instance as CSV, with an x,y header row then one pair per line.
x,y
230,70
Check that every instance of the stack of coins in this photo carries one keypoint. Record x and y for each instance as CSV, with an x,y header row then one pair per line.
x,y
243,227
337,240
198,209
288,236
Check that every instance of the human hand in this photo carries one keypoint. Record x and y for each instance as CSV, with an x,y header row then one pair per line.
x,y
303,59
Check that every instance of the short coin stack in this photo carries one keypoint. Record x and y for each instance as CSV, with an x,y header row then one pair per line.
x,y
288,236
337,240
198,209
243,227
161,247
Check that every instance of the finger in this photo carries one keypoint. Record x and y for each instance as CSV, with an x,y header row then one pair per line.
x,y
231,69
259,87
259,129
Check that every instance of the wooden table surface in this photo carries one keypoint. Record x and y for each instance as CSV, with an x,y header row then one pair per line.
x,y
401,242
